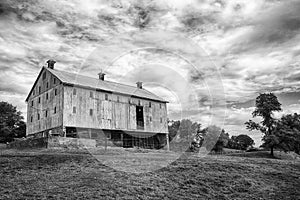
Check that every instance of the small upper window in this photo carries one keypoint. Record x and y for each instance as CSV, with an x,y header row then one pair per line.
x,y
106,97
47,96
160,105
44,75
91,94
74,109
47,85
54,80
91,112
149,104
54,110
55,92
39,89
150,119
31,118
32,103
74,91
46,113
33,92
38,116
39,99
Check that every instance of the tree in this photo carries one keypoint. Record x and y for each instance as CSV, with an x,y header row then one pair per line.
x,y
266,104
173,128
183,130
241,142
215,138
288,133
11,122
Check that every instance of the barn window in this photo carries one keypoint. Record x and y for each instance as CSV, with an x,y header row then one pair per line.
x,y
38,116
44,75
91,94
31,118
106,97
150,119
39,99
47,85
149,104
54,110
161,120
46,114
91,112
55,92
74,91
33,92
39,89
47,96
32,103
74,109
160,105
54,80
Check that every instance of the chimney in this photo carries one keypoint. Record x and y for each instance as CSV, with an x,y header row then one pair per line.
x,y
51,64
101,76
139,85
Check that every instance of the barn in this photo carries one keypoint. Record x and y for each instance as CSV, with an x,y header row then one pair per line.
x,y
70,105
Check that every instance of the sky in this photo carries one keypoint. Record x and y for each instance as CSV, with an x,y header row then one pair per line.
x,y
209,58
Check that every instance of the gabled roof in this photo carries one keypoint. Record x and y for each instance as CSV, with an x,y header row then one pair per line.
x,y
95,83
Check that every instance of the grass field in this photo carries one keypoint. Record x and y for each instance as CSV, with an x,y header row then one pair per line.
x,y
51,174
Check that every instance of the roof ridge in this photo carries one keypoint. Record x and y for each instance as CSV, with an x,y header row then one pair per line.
x,y
116,83
98,79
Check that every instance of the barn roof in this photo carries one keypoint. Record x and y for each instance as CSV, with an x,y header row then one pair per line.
x,y
95,83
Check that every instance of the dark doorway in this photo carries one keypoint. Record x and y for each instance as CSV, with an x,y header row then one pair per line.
x,y
140,117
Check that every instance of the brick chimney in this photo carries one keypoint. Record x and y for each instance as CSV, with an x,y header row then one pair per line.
x,y
139,84
51,64
101,76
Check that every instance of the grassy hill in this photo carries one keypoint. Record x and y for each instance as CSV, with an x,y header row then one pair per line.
x,y
68,175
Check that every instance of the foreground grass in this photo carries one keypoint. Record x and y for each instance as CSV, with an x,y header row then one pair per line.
x,y
78,175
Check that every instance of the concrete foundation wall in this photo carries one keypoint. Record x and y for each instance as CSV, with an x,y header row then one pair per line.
x,y
70,143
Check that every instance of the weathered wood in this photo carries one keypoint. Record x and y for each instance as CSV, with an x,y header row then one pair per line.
x,y
116,113
63,105
54,92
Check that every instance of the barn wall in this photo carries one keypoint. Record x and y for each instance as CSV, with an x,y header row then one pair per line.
x,y
115,113
46,105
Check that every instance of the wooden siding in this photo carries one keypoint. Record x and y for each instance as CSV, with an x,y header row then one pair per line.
x,y
46,105
115,113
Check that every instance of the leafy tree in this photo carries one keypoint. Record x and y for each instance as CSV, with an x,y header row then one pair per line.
x,y
183,130
266,104
173,128
288,133
11,122
241,142
215,138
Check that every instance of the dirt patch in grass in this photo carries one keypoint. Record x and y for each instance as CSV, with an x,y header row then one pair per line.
x,y
69,175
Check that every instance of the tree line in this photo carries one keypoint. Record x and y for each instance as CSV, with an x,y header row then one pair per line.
x,y
215,138
280,134
283,133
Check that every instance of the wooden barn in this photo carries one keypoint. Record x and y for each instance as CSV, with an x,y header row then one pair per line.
x,y
65,104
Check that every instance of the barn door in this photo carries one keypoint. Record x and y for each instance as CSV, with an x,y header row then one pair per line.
x,y
140,117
